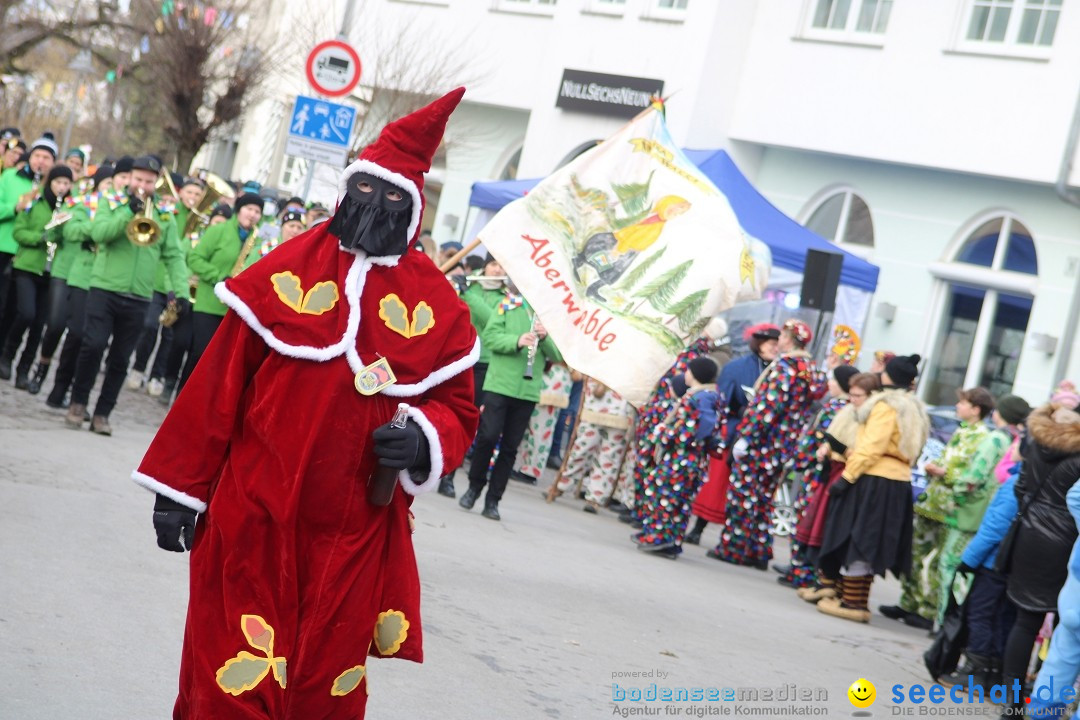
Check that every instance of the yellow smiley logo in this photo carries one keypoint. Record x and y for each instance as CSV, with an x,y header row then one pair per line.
x,y
862,693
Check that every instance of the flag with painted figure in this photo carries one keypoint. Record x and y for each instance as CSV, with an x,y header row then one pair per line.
x,y
625,254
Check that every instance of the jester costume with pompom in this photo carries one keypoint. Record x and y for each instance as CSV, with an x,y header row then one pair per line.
x,y
812,474
680,459
771,426
651,414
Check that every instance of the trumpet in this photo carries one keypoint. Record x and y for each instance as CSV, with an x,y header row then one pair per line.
x,y
528,374
143,230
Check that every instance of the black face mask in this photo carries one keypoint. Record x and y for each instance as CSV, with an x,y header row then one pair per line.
x,y
372,220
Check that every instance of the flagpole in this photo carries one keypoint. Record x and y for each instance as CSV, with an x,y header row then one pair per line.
x,y
456,258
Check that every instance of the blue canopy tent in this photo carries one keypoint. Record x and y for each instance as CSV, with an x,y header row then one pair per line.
x,y
787,240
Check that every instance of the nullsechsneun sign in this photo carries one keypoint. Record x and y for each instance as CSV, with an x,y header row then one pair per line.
x,y
601,94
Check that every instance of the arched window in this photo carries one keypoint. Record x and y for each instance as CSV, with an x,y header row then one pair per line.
x,y
510,169
989,293
844,218
579,150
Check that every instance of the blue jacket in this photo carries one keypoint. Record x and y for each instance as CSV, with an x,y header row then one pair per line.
x,y
982,550
704,401
735,379
1072,499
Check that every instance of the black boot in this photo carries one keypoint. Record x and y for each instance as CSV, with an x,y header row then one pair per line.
x,y
5,368
38,378
22,380
165,398
979,667
446,485
57,399
694,536
491,510
469,498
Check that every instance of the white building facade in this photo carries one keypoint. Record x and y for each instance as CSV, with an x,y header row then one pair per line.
x,y
924,135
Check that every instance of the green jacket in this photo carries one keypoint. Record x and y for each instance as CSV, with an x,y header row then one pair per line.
x,y
506,367
972,491
936,501
13,185
66,253
30,234
212,261
125,268
76,237
482,304
161,276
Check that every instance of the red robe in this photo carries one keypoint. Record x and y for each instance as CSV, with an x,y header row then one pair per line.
x,y
295,576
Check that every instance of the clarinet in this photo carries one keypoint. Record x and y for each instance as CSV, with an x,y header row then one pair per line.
x,y
528,374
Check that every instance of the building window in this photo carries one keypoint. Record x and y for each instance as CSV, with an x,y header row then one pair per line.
x,y
532,7
673,10
843,218
985,318
1013,22
671,4
605,7
851,16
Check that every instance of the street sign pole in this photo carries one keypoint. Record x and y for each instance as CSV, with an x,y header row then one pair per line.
x,y
307,181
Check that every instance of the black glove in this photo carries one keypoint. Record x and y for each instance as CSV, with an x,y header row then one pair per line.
x,y
182,305
965,568
174,523
402,448
839,487
136,204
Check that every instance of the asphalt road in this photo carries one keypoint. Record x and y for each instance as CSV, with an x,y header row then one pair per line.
x,y
532,617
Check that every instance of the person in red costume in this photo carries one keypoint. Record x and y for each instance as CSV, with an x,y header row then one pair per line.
x,y
297,574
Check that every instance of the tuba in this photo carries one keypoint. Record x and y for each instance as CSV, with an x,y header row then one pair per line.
x,y
143,230
199,217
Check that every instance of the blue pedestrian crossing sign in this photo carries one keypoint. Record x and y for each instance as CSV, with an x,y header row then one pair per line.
x,y
320,130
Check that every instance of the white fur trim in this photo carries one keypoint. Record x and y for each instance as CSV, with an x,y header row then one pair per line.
x,y
436,454
173,494
439,376
391,177
354,283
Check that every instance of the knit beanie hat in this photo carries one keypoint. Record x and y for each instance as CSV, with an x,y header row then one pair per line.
x,y
248,199
703,369
123,165
46,142
843,375
1013,409
903,370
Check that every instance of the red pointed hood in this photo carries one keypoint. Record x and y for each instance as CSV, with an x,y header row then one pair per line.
x,y
403,152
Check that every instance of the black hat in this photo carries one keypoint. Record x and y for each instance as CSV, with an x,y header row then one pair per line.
x,y
903,370
1013,409
292,216
223,210
703,369
843,375
9,132
59,171
103,172
248,199
148,163
177,180
123,165
295,201
191,181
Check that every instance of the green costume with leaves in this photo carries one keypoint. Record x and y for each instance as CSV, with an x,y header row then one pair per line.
x,y
921,590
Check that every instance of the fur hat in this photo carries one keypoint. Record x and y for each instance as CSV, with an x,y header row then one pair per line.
x,y
403,151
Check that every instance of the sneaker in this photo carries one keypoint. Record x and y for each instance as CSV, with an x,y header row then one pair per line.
x,y
155,387
100,425
136,380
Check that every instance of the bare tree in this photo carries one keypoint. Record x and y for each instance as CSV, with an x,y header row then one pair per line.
x,y
27,24
199,72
